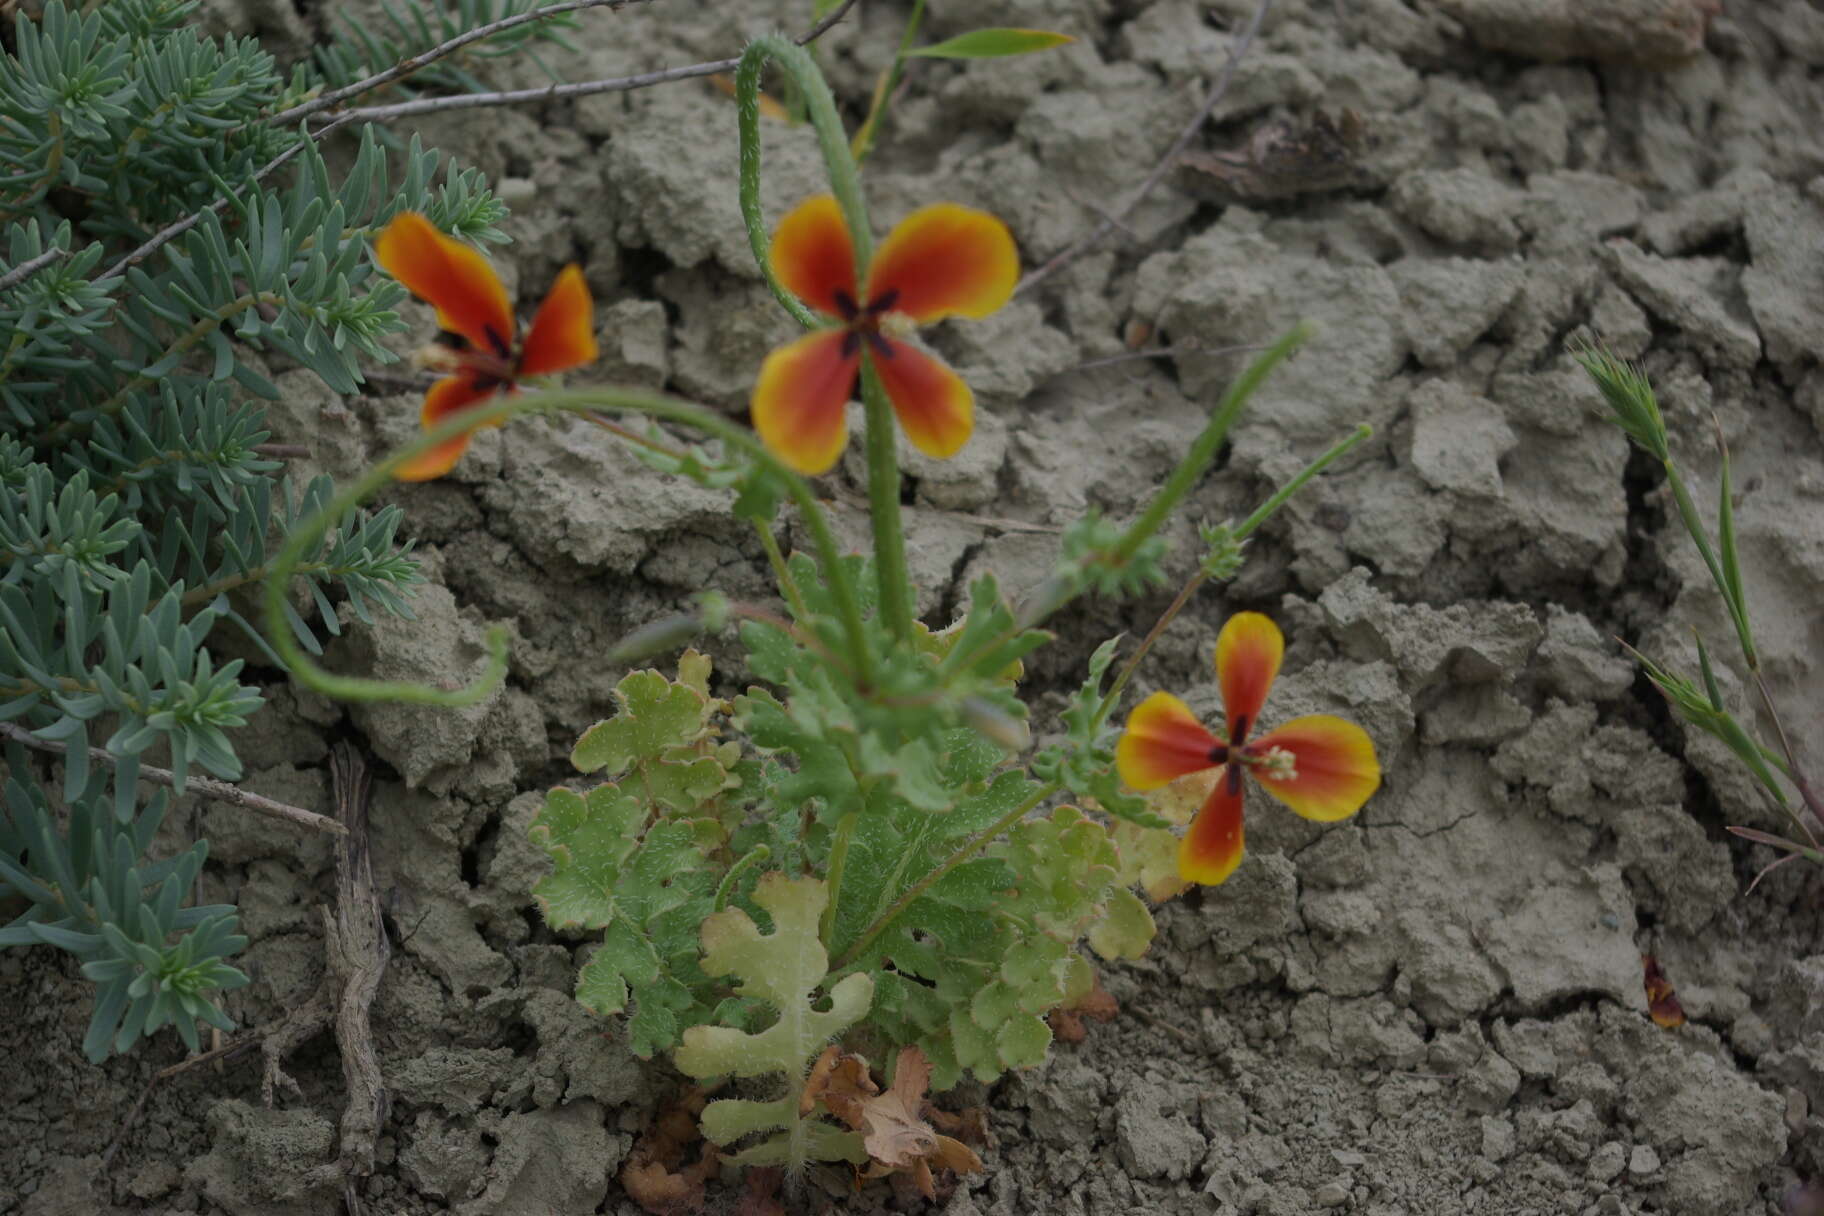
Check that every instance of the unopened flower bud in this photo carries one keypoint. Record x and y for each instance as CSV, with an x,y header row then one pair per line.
x,y
713,608
665,634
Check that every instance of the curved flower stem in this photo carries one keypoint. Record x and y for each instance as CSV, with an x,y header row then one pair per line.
x,y
969,848
838,162
845,184
580,401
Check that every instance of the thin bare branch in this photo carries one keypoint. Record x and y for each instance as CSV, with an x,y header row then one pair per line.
x,y
171,232
513,97
223,1053
406,67
581,88
1110,222
30,267
208,787
382,113
829,22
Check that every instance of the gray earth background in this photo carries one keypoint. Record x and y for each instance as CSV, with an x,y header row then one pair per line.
x,y
1436,1007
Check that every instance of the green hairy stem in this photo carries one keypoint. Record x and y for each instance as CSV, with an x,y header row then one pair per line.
x,y
304,539
845,184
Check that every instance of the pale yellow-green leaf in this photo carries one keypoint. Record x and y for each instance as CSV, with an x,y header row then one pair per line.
x,y
728,1119
693,672
784,968
655,717
1126,928
1149,857
819,1141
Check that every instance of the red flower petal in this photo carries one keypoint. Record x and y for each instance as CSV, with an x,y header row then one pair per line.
x,y
1162,742
1333,762
814,258
452,277
563,332
934,405
1248,651
945,260
799,401
1212,849
447,396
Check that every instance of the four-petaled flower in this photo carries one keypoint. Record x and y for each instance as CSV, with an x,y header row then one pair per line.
x,y
479,347
940,261
1321,766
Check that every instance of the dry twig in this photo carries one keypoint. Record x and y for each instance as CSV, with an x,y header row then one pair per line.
x,y
581,88
30,267
1119,217
355,938
219,1054
406,67
208,787
172,231
382,113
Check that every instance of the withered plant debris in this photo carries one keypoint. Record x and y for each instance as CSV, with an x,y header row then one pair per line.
x,y
761,1196
1284,159
895,1125
1067,1020
655,1175
1662,998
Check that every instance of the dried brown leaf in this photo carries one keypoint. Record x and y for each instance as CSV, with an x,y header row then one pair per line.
x,y
1662,999
1067,1020
895,1136
652,1176
955,1155
819,1080
970,1125
659,1190
761,1197
845,1088
1283,159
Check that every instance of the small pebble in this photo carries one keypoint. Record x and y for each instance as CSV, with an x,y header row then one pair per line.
x,y
1330,1195
1497,1139
1644,1161
1608,1161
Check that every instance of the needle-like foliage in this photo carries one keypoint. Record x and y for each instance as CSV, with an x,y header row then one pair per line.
x,y
137,492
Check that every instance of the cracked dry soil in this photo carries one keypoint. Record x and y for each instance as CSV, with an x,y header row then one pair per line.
x,y
1436,1007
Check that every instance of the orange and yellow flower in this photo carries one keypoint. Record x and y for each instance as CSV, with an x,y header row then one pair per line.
x,y
480,346
1321,766
941,261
